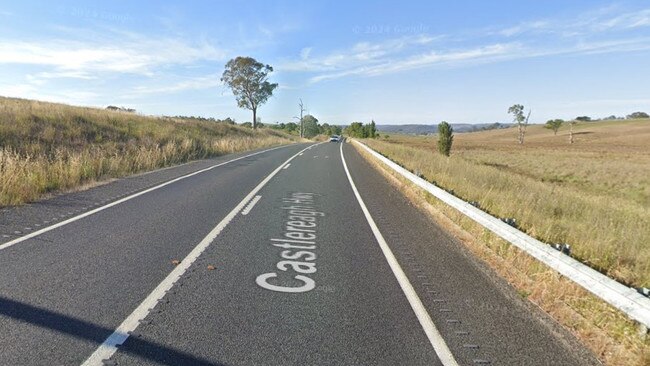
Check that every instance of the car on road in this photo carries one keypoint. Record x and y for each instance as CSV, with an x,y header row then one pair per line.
x,y
335,138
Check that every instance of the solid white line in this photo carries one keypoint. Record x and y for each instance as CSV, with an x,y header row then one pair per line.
x,y
250,205
92,212
286,166
620,296
435,338
109,346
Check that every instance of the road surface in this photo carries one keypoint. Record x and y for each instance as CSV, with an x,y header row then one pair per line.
x,y
263,258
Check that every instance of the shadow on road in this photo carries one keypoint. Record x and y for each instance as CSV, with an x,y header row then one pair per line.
x,y
84,330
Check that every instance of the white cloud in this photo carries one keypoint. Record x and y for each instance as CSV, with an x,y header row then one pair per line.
x,y
33,91
197,83
304,53
135,54
428,59
362,53
603,30
592,22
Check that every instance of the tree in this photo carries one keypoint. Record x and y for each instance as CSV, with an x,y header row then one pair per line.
x,y
370,130
355,130
571,124
310,126
445,138
517,111
248,80
554,124
583,118
290,127
302,110
637,115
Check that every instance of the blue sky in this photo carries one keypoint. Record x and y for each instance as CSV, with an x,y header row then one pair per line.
x,y
419,62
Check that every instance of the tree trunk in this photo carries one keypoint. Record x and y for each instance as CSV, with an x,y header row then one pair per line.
x,y
571,134
521,134
254,118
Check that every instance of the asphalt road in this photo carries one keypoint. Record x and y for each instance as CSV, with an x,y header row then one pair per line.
x,y
269,259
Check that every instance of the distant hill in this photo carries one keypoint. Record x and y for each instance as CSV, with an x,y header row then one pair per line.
x,y
429,129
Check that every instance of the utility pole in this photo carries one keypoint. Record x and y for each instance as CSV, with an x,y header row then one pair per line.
x,y
302,110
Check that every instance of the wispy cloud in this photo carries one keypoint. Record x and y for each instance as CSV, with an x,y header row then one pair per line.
x,y
423,60
362,53
602,30
606,19
121,53
196,83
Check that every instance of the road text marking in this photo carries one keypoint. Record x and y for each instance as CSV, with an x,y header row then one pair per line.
x,y
300,229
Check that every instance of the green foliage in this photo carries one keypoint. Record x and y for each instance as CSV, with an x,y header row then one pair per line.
x,y
583,118
355,130
310,126
359,130
517,112
247,124
329,130
370,130
554,124
637,115
248,80
445,138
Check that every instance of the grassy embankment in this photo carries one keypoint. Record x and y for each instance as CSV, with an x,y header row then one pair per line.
x,y
593,195
47,147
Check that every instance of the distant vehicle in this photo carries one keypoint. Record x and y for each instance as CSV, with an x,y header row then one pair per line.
x,y
335,138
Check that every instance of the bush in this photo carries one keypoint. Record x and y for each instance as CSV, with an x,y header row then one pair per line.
x,y
637,115
445,138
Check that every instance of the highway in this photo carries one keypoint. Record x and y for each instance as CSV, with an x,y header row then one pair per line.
x,y
297,255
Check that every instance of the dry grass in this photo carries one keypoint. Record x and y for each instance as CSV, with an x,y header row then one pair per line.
x,y
594,194
47,147
605,330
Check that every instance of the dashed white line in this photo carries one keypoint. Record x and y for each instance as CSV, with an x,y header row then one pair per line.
x,y
98,209
287,166
109,346
250,205
435,338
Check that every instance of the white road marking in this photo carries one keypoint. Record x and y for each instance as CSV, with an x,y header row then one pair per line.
x,y
250,205
435,338
109,346
92,212
286,166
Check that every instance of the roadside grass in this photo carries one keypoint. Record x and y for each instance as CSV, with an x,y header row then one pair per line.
x,y
49,147
593,194
606,331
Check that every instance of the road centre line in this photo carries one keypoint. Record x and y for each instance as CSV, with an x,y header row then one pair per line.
x,y
109,346
286,166
250,205
435,338
96,210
